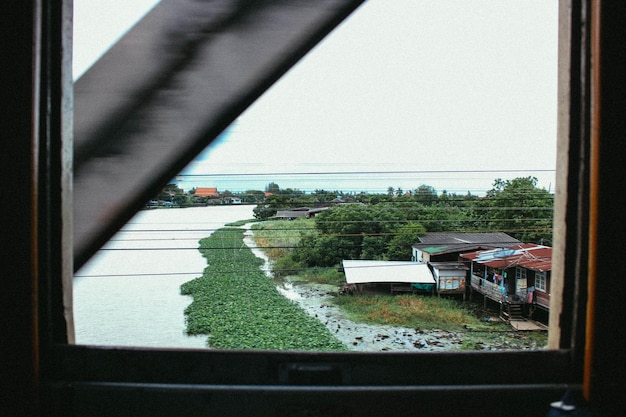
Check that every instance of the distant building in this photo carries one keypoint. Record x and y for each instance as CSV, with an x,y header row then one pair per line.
x,y
231,200
207,192
300,212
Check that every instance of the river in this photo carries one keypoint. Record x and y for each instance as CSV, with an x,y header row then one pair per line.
x,y
128,294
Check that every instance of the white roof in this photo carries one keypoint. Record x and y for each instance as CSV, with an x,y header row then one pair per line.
x,y
360,272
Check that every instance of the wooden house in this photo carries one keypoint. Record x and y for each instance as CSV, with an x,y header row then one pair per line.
x,y
300,212
515,276
440,251
446,247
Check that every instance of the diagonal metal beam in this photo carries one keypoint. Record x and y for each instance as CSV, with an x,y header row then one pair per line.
x,y
168,88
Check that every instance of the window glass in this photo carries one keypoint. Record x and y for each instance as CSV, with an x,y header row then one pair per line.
x,y
412,118
540,281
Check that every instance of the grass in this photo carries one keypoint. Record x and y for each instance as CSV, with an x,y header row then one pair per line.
x,y
503,337
420,312
322,276
277,237
430,313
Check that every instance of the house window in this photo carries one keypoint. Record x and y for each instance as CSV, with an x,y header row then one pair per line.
x,y
540,281
520,273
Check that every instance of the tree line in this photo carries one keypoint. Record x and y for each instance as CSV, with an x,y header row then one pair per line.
x,y
384,226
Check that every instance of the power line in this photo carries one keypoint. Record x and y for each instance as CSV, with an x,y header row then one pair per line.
x,y
391,172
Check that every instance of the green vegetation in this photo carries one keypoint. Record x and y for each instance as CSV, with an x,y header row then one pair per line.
x,y
278,238
281,239
420,312
240,308
425,313
500,336
517,207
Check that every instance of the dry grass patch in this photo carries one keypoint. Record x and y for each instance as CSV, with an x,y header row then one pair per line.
x,y
407,310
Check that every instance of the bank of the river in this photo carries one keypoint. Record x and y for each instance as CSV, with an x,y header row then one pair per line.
x,y
317,301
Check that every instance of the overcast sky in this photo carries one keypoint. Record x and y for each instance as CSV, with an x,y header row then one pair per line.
x,y
448,93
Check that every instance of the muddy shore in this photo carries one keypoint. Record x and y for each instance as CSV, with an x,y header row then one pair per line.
x,y
316,300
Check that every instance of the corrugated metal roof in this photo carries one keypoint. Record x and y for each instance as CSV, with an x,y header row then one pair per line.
x,y
443,249
448,266
361,272
299,212
292,213
493,239
526,255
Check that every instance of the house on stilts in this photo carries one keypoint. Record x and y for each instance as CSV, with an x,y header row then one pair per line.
x,y
517,277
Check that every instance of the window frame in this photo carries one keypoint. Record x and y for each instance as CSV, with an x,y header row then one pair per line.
x,y
99,380
541,281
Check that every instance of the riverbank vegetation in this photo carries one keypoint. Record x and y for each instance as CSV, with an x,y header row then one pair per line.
x,y
421,312
239,307
279,240
418,312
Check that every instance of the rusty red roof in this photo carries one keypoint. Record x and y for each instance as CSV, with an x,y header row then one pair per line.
x,y
526,255
207,192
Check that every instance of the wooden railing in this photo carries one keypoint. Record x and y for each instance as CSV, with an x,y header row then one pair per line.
x,y
488,288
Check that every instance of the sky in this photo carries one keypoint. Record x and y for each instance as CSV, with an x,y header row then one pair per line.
x,y
447,93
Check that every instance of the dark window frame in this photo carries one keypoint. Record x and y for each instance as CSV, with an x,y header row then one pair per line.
x,y
101,380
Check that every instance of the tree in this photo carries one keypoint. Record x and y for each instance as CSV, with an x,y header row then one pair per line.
x,y
170,192
272,187
182,200
323,251
352,231
373,247
323,196
425,194
519,208
399,248
253,196
263,211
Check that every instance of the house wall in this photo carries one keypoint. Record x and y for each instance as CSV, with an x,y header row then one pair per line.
x,y
419,256
543,297
449,280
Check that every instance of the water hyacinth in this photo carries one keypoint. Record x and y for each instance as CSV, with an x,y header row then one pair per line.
x,y
239,307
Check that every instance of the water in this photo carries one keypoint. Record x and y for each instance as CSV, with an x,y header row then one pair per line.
x,y
129,293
